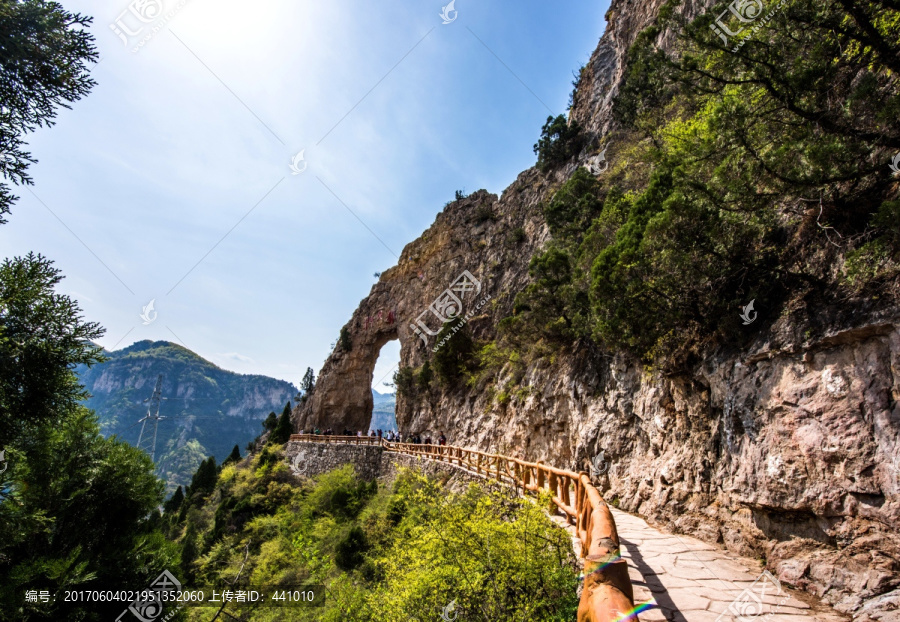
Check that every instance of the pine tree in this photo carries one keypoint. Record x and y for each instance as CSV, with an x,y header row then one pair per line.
x,y
282,432
234,456
270,422
307,384
451,358
204,479
46,53
426,375
189,551
174,502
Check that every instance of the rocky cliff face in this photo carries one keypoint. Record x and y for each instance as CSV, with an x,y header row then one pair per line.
x,y
787,450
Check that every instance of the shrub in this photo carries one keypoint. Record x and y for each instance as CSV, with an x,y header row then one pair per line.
x,y
405,381
425,376
516,236
559,142
454,351
344,339
350,549
483,214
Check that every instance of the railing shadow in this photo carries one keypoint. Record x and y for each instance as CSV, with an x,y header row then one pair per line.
x,y
660,594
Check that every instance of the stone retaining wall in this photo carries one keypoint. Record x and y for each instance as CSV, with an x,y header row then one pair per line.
x,y
371,462
312,459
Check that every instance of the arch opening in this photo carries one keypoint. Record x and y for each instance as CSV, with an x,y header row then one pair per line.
x,y
384,397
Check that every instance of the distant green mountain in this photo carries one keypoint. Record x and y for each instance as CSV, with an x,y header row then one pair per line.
x,y
209,410
383,411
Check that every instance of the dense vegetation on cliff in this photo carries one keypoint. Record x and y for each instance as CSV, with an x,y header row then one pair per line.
x,y
758,169
398,552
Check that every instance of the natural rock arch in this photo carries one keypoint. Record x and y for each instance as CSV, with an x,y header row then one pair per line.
x,y
468,237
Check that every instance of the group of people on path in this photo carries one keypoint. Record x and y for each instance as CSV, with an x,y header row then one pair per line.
x,y
391,436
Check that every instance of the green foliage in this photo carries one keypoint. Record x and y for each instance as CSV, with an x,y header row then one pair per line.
x,y
575,205
204,479
81,509
44,65
553,308
483,214
496,556
283,429
405,381
516,237
173,503
425,376
768,166
234,456
453,351
388,553
344,339
350,549
308,383
559,142
339,494
42,336
270,422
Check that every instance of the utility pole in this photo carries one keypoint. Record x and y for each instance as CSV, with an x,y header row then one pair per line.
x,y
152,416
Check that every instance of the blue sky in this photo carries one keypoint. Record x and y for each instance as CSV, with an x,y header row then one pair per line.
x,y
171,181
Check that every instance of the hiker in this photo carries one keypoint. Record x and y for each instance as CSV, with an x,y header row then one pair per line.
x,y
318,431
442,440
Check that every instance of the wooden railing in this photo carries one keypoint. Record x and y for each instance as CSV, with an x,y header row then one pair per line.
x,y
607,595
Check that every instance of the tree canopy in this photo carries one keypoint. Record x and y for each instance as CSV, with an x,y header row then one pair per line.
x,y
44,65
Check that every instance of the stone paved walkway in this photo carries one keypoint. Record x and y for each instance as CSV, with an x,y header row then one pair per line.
x,y
692,581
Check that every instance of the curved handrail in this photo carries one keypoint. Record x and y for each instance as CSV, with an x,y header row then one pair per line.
x,y
607,595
